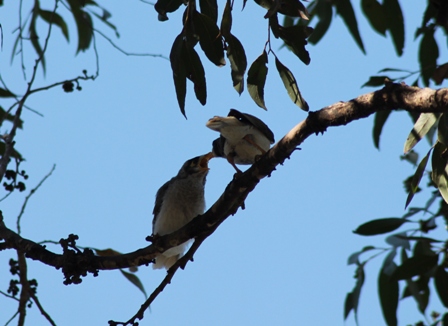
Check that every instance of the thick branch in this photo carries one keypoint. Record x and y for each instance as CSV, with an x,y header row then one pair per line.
x,y
391,97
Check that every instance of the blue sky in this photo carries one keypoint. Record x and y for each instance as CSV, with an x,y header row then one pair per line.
x,y
281,261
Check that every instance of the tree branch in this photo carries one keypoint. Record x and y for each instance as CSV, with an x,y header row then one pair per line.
x,y
391,97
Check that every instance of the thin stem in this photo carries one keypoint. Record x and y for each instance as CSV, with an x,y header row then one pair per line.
x,y
22,210
41,309
129,53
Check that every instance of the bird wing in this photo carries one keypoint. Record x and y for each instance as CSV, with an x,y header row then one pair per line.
x,y
254,121
159,200
218,146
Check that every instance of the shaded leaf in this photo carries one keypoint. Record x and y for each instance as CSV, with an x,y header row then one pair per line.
x,y
105,20
354,257
417,177
375,14
439,173
442,129
352,298
34,38
291,8
9,117
423,125
238,62
395,20
256,78
6,93
14,153
84,25
294,37
164,6
378,124
179,71
324,11
54,18
195,72
134,280
428,54
441,284
388,290
380,226
226,21
291,85
419,290
375,81
210,38
440,73
399,240
416,265
210,9
344,8
411,157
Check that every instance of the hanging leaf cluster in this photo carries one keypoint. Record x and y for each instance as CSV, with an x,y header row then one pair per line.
x,y
422,260
200,27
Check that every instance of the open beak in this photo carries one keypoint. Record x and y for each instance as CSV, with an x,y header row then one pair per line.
x,y
204,161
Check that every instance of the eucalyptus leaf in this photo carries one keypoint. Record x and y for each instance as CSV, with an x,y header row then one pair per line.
x,y
256,79
421,127
291,86
380,226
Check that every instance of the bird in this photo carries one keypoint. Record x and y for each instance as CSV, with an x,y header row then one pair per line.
x,y
243,138
177,202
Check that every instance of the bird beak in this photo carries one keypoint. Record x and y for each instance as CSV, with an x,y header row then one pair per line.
x,y
204,161
215,123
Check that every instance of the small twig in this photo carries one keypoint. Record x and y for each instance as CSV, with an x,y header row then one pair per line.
x,y
41,309
5,196
130,53
21,40
12,318
25,290
182,262
8,295
22,210
147,2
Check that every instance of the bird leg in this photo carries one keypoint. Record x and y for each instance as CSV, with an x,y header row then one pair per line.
x,y
230,159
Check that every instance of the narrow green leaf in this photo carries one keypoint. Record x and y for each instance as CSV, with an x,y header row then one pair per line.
x,y
226,21
354,257
428,54
291,86
442,129
84,25
210,38
134,280
14,154
416,265
54,18
348,305
324,11
195,72
210,9
256,78
179,71
389,294
9,117
238,62
6,93
395,20
34,37
105,20
439,173
441,284
399,240
344,8
423,125
375,81
417,177
378,124
375,14
380,226
419,290
164,6
440,73
445,319
294,37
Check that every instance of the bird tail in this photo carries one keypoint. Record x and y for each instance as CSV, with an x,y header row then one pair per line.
x,y
163,261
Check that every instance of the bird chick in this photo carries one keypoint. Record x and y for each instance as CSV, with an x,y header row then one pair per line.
x,y
243,137
178,201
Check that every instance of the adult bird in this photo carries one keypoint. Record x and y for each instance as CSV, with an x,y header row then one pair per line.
x,y
178,201
243,137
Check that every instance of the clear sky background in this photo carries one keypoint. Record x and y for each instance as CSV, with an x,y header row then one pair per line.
x,y
283,260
